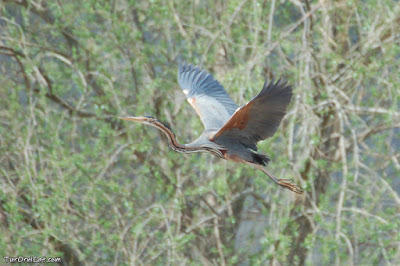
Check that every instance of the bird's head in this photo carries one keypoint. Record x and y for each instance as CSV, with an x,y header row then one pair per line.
x,y
147,120
150,121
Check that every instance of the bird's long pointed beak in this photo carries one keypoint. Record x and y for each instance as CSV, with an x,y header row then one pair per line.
x,y
141,119
132,118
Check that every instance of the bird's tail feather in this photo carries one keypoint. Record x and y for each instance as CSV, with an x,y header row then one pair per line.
x,y
260,159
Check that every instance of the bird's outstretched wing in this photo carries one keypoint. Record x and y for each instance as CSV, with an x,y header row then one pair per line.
x,y
259,118
206,95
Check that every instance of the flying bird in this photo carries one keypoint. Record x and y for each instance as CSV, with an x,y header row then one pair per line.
x,y
231,132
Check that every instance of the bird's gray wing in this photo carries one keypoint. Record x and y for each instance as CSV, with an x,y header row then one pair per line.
x,y
259,118
206,95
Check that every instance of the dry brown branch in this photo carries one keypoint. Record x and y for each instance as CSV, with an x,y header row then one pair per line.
x,y
219,243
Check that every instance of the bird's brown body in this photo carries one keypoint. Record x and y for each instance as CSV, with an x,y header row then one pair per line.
x,y
231,132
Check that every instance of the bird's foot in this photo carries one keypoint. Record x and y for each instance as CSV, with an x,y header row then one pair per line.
x,y
289,184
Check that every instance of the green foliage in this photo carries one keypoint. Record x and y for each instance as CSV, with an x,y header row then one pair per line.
x,y
78,183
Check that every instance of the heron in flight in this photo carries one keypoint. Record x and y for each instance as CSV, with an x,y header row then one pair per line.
x,y
231,132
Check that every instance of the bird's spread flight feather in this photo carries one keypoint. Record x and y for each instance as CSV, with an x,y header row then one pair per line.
x,y
260,118
206,95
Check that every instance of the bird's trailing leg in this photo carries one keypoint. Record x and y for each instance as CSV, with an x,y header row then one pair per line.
x,y
286,183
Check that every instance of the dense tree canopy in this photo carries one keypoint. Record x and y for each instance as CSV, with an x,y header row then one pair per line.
x,y
78,183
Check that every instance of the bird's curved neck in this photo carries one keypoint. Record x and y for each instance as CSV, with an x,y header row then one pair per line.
x,y
182,148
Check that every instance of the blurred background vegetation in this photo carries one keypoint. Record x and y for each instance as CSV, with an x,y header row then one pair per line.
x,y
78,183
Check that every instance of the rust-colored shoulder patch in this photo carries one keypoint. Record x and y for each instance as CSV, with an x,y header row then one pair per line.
x,y
238,120
192,102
